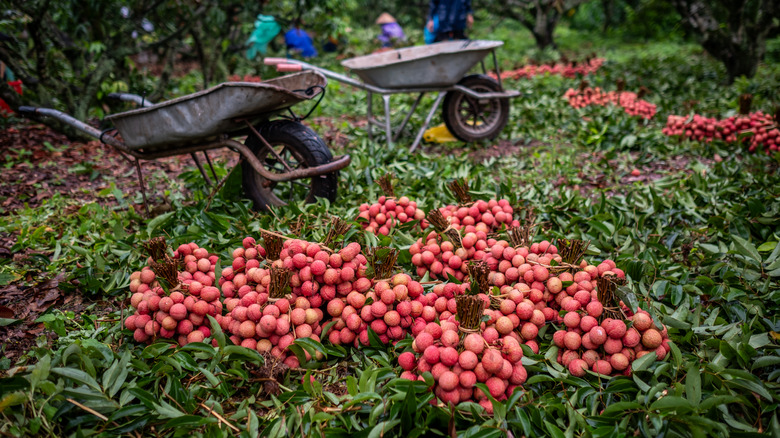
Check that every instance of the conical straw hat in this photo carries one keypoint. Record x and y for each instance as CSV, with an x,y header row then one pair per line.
x,y
385,18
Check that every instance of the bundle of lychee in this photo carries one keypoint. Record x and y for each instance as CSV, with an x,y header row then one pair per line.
x,y
441,258
486,216
566,69
315,272
458,360
389,211
180,312
282,301
629,101
388,308
608,347
765,133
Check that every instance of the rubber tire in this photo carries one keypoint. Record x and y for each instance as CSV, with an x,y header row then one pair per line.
x,y
303,143
453,99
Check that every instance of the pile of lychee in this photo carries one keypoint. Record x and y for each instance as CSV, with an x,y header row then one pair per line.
x,y
765,133
458,360
388,212
481,215
608,347
180,313
629,101
568,69
317,277
388,308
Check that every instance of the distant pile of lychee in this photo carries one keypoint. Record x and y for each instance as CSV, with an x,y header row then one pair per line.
x,y
568,69
629,101
759,130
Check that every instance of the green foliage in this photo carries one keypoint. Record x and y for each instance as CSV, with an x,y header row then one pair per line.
x,y
696,235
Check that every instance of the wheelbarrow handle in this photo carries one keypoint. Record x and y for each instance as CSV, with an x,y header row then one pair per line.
x,y
129,97
27,110
288,67
274,61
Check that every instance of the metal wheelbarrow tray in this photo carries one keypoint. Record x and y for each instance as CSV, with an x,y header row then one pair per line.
x,y
474,107
204,115
435,65
276,152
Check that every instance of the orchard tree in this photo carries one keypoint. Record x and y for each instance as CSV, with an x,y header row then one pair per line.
x,y
538,16
69,52
732,31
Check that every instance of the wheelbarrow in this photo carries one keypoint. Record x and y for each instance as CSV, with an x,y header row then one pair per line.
x,y
474,107
283,160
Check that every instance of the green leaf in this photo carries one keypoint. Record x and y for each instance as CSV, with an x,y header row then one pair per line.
x,y
156,222
746,248
553,430
693,384
751,386
620,407
77,376
643,362
767,246
382,428
672,403
12,399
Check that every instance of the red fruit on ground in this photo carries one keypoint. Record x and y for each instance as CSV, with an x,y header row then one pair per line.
x,y
578,367
652,339
492,361
572,340
642,321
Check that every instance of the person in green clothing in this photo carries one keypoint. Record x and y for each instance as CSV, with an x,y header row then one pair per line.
x,y
266,28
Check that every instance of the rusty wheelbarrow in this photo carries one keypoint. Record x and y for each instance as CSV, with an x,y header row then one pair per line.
x,y
283,160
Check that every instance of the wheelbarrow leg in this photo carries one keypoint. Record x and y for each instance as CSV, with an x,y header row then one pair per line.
x,y
408,116
427,120
202,171
211,166
370,100
388,128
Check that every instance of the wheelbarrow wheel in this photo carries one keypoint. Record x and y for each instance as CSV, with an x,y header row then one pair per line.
x,y
471,119
294,147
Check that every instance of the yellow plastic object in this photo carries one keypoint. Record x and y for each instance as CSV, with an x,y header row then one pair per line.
x,y
438,134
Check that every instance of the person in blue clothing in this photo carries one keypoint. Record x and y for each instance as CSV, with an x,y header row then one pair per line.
x,y
299,42
454,17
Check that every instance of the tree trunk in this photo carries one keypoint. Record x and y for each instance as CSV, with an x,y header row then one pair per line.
x,y
732,31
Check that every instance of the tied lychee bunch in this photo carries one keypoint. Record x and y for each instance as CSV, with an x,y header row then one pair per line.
x,y
320,275
458,361
629,101
569,69
610,347
515,314
699,128
198,264
182,314
271,325
388,308
509,264
481,215
388,212
765,136
441,258
239,277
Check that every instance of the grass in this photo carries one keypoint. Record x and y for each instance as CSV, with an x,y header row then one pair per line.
x,y
697,236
